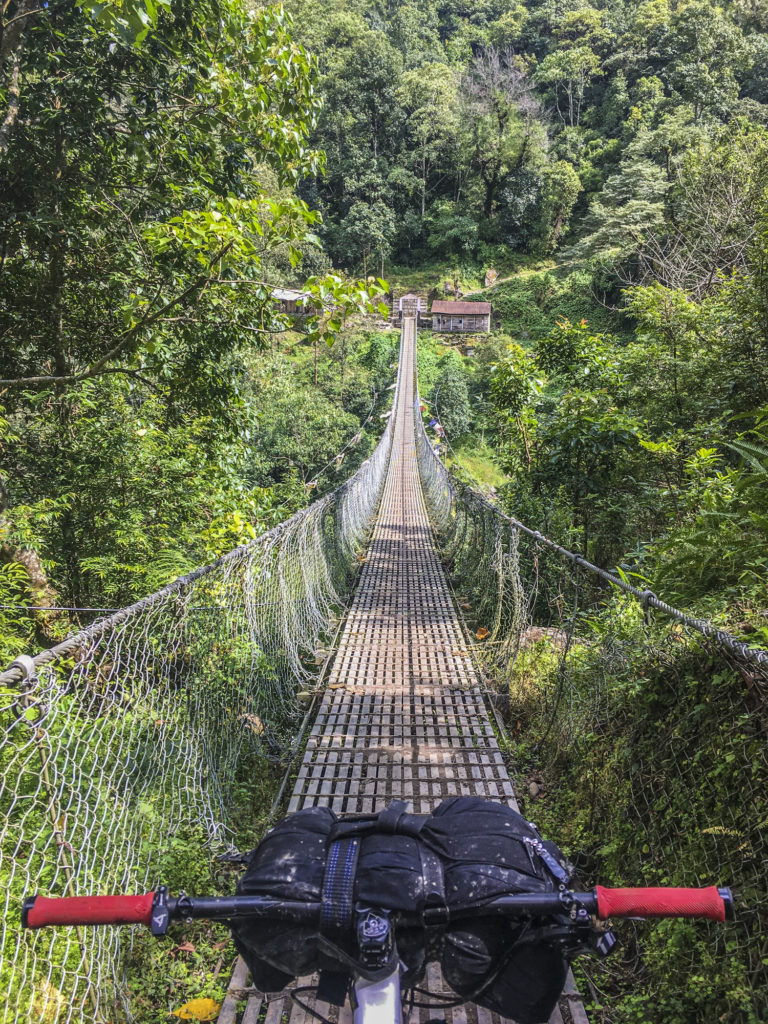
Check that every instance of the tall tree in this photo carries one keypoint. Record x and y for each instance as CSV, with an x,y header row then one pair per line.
x,y
630,207
704,54
133,208
429,96
580,39
16,19
147,208
501,120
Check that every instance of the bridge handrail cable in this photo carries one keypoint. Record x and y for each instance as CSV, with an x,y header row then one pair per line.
x,y
459,490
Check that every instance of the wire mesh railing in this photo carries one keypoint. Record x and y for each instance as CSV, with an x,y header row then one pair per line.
x,y
639,744
134,735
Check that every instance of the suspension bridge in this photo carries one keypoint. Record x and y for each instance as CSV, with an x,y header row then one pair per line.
x,y
140,734
403,716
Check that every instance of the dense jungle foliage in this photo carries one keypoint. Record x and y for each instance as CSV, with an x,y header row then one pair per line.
x,y
610,161
159,178
165,165
157,407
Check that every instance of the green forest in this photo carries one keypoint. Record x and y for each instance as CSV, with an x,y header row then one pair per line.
x,y
165,166
160,177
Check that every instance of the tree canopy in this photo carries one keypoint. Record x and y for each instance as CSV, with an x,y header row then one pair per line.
x,y
150,156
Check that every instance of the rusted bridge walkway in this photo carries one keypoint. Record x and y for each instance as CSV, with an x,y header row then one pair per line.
x,y
403,715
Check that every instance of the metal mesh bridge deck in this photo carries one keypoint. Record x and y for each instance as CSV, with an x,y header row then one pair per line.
x,y
402,716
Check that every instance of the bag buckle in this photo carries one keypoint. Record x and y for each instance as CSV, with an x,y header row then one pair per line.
x,y
374,937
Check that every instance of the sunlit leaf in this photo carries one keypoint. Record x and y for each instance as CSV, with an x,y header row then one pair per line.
x,y
198,1009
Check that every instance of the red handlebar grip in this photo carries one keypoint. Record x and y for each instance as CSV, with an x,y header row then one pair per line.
x,y
44,910
661,903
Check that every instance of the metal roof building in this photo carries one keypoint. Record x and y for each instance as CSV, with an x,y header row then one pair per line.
x,y
461,316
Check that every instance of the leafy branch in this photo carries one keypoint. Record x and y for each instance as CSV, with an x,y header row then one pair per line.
x,y
126,339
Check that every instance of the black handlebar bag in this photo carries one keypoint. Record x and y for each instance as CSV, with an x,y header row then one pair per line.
x,y
467,853
488,850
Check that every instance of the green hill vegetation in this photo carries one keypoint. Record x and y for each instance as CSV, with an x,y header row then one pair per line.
x,y
159,179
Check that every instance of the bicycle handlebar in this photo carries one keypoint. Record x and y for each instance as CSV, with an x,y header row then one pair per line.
x,y
44,910
39,911
713,903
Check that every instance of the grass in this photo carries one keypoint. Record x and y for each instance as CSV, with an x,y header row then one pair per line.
x,y
524,268
477,461
432,275
536,296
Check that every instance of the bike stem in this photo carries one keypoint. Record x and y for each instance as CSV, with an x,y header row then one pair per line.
x,y
377,1002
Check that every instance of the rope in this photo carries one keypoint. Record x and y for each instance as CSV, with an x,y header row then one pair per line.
x,y
15,675
51,608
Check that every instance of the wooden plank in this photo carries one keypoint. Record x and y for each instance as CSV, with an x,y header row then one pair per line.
x,y
237,982
252,1010
275,1009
